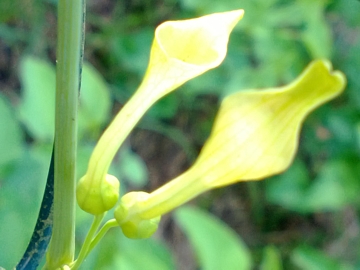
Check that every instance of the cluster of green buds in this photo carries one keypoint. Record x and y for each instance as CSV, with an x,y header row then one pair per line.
x,y
255,133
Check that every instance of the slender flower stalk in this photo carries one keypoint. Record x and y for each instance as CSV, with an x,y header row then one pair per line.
x,y
85,249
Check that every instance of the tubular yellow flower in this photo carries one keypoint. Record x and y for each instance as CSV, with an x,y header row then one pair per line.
x,y
181,50
255,135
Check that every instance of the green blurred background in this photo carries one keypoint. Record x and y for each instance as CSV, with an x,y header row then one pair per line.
x,y
306,218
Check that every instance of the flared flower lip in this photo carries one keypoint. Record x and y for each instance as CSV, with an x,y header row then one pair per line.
x,y
222,22
274,157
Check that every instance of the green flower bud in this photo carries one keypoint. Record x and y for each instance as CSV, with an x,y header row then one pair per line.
x,y
133,226
97,199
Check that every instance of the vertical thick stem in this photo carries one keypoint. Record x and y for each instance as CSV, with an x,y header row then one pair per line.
x,y
68,73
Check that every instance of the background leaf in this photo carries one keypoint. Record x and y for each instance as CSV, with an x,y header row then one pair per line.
x,y
11,135
118,252
288,189
37,107
132,168
336,186
215,244
317,35
94,104
271,259
20,198
305,257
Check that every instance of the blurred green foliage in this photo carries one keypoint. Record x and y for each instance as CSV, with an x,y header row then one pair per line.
x,y
306,218
217,247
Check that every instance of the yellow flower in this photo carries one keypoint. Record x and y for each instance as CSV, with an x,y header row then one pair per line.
x,y
185,49
181,50
255,135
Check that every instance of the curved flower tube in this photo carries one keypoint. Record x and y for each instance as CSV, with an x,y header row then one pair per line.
x,y
255,135
181,50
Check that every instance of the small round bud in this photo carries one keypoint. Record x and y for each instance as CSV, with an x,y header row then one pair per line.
x,y
134,226
140,229
97,198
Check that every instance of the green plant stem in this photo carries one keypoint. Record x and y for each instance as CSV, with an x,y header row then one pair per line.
x,y
89,245
107,226
68,72
85,247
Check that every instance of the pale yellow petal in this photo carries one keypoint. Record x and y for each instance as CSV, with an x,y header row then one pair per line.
x,y
256,133
185,49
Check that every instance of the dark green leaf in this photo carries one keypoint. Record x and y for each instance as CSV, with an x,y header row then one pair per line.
x,y
336,186
288,189
215,244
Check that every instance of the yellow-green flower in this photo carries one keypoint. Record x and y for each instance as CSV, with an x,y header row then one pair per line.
x,y
181,50
255,135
